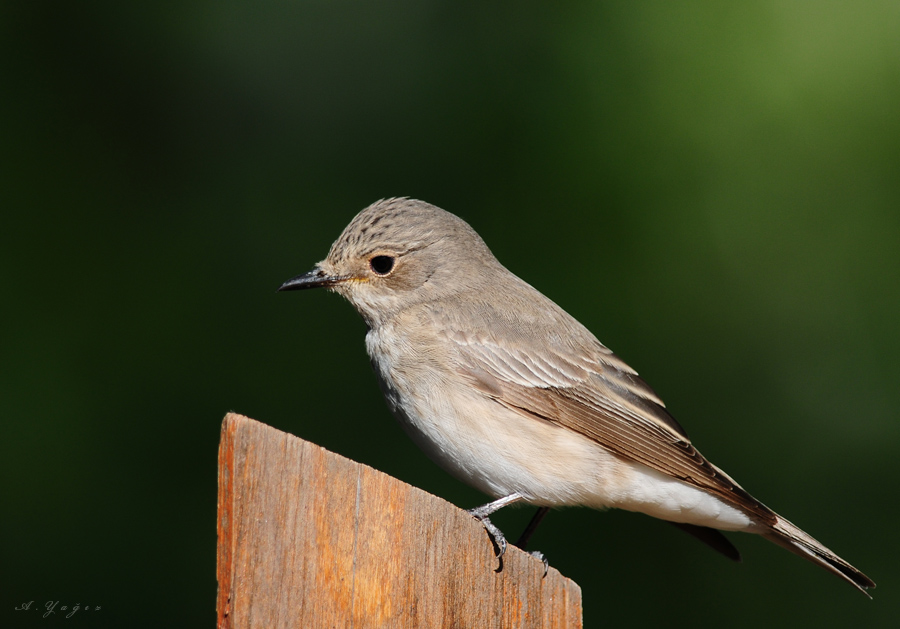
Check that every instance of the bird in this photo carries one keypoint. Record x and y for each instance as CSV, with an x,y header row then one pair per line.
x,y
506,391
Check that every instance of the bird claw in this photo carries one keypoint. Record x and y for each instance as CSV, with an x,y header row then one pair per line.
x,y
539,555
496,535
499,540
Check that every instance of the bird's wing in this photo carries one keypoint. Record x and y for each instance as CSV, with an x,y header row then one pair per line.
x,y
591,391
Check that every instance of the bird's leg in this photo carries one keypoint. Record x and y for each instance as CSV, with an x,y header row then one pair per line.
x,y
481,514
532,527
529,531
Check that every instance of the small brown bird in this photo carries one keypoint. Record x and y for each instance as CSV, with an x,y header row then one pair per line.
x,y
509,393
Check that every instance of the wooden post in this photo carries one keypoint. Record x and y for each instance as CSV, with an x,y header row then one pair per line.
x,y
308,538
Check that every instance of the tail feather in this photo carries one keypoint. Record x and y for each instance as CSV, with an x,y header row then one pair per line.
x,y
798,542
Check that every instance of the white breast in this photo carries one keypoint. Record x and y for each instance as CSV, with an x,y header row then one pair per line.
x,y
500,451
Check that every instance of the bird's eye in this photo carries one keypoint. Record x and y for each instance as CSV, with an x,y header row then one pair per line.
x,y
382,265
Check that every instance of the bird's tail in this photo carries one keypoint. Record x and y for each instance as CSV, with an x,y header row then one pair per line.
x,y
798,542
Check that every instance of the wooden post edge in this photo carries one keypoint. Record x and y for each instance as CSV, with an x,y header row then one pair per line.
x,y
308,538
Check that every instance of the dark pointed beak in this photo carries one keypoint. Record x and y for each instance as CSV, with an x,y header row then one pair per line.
x,y
314,279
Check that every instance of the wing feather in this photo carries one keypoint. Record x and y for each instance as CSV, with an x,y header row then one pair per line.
x,y
599,396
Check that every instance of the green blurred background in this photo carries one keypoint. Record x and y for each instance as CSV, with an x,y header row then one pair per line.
x,y
713,188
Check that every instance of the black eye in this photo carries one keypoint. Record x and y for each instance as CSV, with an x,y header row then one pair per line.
x,y
382,265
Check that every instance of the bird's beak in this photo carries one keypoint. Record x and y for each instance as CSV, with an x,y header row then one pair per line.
x,y
314,279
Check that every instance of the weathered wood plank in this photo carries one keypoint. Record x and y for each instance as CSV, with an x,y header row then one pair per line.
x,y
308,538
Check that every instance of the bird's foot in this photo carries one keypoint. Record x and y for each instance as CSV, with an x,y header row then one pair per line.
x,y
499,540
539,555
496,535
481,514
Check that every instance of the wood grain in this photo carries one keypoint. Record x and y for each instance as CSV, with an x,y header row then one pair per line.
x,y
308,538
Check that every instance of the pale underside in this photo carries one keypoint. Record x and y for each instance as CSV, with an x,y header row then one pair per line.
x,y
510,420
